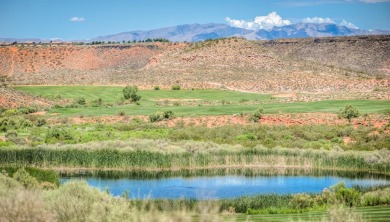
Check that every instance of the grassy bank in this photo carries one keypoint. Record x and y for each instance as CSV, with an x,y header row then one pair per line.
x,y
168,155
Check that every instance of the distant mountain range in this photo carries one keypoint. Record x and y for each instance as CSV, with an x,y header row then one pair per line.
x,y
199,32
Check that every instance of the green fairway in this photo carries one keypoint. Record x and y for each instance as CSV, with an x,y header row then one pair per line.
x,y
234,102
377,213
114,93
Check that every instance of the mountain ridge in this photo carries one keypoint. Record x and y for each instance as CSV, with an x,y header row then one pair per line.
x,y
200,32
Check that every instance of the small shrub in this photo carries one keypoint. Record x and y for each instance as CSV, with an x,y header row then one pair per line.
x,y
59,134
10,135
156,87
245,137
24,178
168,114
80,101
10,112
161,116
27,110
256,116
155,117
176,87
349,112
121,113
378,197
348,196
24,206
57,106
98,102
302,201
40,122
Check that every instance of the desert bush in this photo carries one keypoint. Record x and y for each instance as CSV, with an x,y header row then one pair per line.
x,y
27,110
159,116
80,101
256,116
10,112
40,175
176,87
41,122
302,201
349,112
168,114
61,134
74,201
24,178
24,206
156,87
377,197
155,117
98,102
347,196
246,203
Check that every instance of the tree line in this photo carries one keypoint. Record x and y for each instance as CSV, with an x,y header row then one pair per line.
x,y
129,42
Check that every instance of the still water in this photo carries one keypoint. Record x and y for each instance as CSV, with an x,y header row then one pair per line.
x,y
220,186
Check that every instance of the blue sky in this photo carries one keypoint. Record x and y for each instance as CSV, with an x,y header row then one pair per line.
x,y
84,19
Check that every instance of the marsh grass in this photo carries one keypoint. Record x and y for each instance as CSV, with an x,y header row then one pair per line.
x,y
170,155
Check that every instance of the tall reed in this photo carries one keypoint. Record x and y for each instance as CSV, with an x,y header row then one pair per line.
x,y
168,155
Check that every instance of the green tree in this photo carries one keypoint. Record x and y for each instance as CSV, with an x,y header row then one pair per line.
x,y
130,92
349,112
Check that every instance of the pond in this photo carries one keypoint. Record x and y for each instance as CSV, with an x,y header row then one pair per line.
x,y
216,186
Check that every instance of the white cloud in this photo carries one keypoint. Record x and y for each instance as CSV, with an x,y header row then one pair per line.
x,y
348,25
77,19
260,22
317,20
329,20
273,19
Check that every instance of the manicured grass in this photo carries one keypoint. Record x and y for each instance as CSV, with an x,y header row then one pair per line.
x,y
364,106
114,93
150,97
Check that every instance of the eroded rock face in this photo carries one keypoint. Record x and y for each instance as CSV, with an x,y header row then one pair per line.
x,y
338,64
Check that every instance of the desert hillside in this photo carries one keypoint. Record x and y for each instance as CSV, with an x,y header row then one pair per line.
x,y
336,64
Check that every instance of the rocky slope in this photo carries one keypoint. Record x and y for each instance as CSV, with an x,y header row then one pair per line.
x,y
320,65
